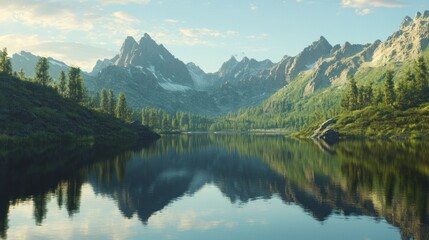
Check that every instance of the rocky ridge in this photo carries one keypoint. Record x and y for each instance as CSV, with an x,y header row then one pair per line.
x,y
152,77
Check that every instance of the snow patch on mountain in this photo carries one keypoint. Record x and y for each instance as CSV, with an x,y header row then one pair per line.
x,y
174,87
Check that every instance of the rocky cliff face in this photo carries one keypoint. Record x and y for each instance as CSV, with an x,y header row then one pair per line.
x,y
407,43
152,59
151,76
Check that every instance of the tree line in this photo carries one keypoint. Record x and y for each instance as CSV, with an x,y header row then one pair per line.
x,y
71,86
180,121
411,91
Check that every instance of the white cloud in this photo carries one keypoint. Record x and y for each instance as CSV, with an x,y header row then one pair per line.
x,y
124,2
363,11
171,21
123,17
371,3
260,36
192,36
76,54
364,7
45,14
253,7
198,32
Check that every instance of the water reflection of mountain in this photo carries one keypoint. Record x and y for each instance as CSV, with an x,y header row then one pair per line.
x,y
387,180
355,180
150,184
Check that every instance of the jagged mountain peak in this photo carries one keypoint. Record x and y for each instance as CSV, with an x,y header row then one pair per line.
x,y
128,44
130,40
321,42
407,43
194,67
146,35
232,59
420,15
146,40
406,22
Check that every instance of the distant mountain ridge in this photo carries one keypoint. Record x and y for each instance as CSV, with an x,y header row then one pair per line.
x,y
152,77
27,61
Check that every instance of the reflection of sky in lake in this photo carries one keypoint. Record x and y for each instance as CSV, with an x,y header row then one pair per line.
x,y
207,214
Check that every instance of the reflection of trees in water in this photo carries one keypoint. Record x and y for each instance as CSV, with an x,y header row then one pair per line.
x,y
355,178
44,174
4,211
394,176
388,179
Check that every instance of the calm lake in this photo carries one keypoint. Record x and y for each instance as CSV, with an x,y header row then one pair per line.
x,y
217,187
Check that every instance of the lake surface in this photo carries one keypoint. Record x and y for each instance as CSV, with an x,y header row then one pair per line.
x,y
217,187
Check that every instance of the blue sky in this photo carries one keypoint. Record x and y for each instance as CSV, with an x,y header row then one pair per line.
x,y
207,32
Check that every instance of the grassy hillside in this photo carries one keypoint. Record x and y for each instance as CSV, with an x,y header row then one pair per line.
x,y
31,113
385,122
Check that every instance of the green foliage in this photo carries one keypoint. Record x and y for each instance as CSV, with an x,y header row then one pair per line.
x,y
385,122
21,74
287,110
389,89
350,101
34,114
42,72
422,78
104,102
76,89
5,63
122,111
181,121
62,85
405,97
112,104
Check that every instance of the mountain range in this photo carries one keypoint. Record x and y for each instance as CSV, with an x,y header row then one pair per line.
x,y
152,77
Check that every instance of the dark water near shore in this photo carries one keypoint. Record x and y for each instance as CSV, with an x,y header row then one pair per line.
x,y
217,187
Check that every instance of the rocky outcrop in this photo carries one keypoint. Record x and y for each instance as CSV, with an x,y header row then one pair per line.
x,y
326,133
407,43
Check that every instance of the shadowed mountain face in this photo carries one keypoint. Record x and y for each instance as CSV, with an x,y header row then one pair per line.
x,y
152,77
247,83
27,62
378,179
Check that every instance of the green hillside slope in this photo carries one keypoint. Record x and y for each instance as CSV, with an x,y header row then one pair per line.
x,y
31,113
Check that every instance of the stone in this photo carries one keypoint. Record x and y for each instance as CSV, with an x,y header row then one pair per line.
x,y
326,133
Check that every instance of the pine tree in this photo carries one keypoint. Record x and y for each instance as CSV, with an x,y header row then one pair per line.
x,y
95,103
62,85
104,102
42,72
164,123
422,85
368,95
21,74
350,100
75,85
5,63
122,108
111,103
389,89
378,97
405,92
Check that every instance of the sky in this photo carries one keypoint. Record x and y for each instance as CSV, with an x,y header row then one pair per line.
x,y
206,32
